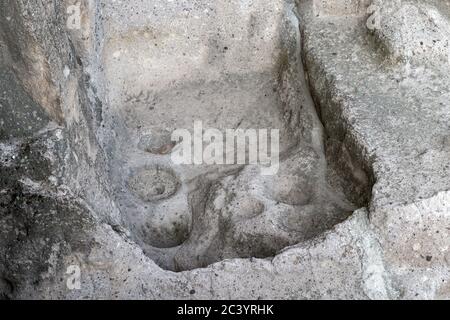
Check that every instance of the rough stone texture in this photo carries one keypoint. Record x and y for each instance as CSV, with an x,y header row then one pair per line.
x,y
85,171
414,33
396,125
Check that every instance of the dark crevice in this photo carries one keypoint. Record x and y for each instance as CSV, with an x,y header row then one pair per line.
x,y
344,155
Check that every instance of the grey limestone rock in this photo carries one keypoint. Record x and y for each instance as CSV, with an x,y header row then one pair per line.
x,y
91,92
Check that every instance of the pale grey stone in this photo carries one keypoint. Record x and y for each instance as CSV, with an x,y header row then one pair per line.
x,y
358,209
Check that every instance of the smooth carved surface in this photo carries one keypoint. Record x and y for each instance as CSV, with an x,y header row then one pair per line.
x,y
153,184
160,78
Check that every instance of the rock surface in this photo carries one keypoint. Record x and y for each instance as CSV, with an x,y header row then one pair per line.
x,y
359,208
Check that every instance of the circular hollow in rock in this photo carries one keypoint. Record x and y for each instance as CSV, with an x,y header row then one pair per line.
x,y
250,207
153,184
169,227
157,142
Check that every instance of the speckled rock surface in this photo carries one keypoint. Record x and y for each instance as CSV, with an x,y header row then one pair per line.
x,y
395,126
359,208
